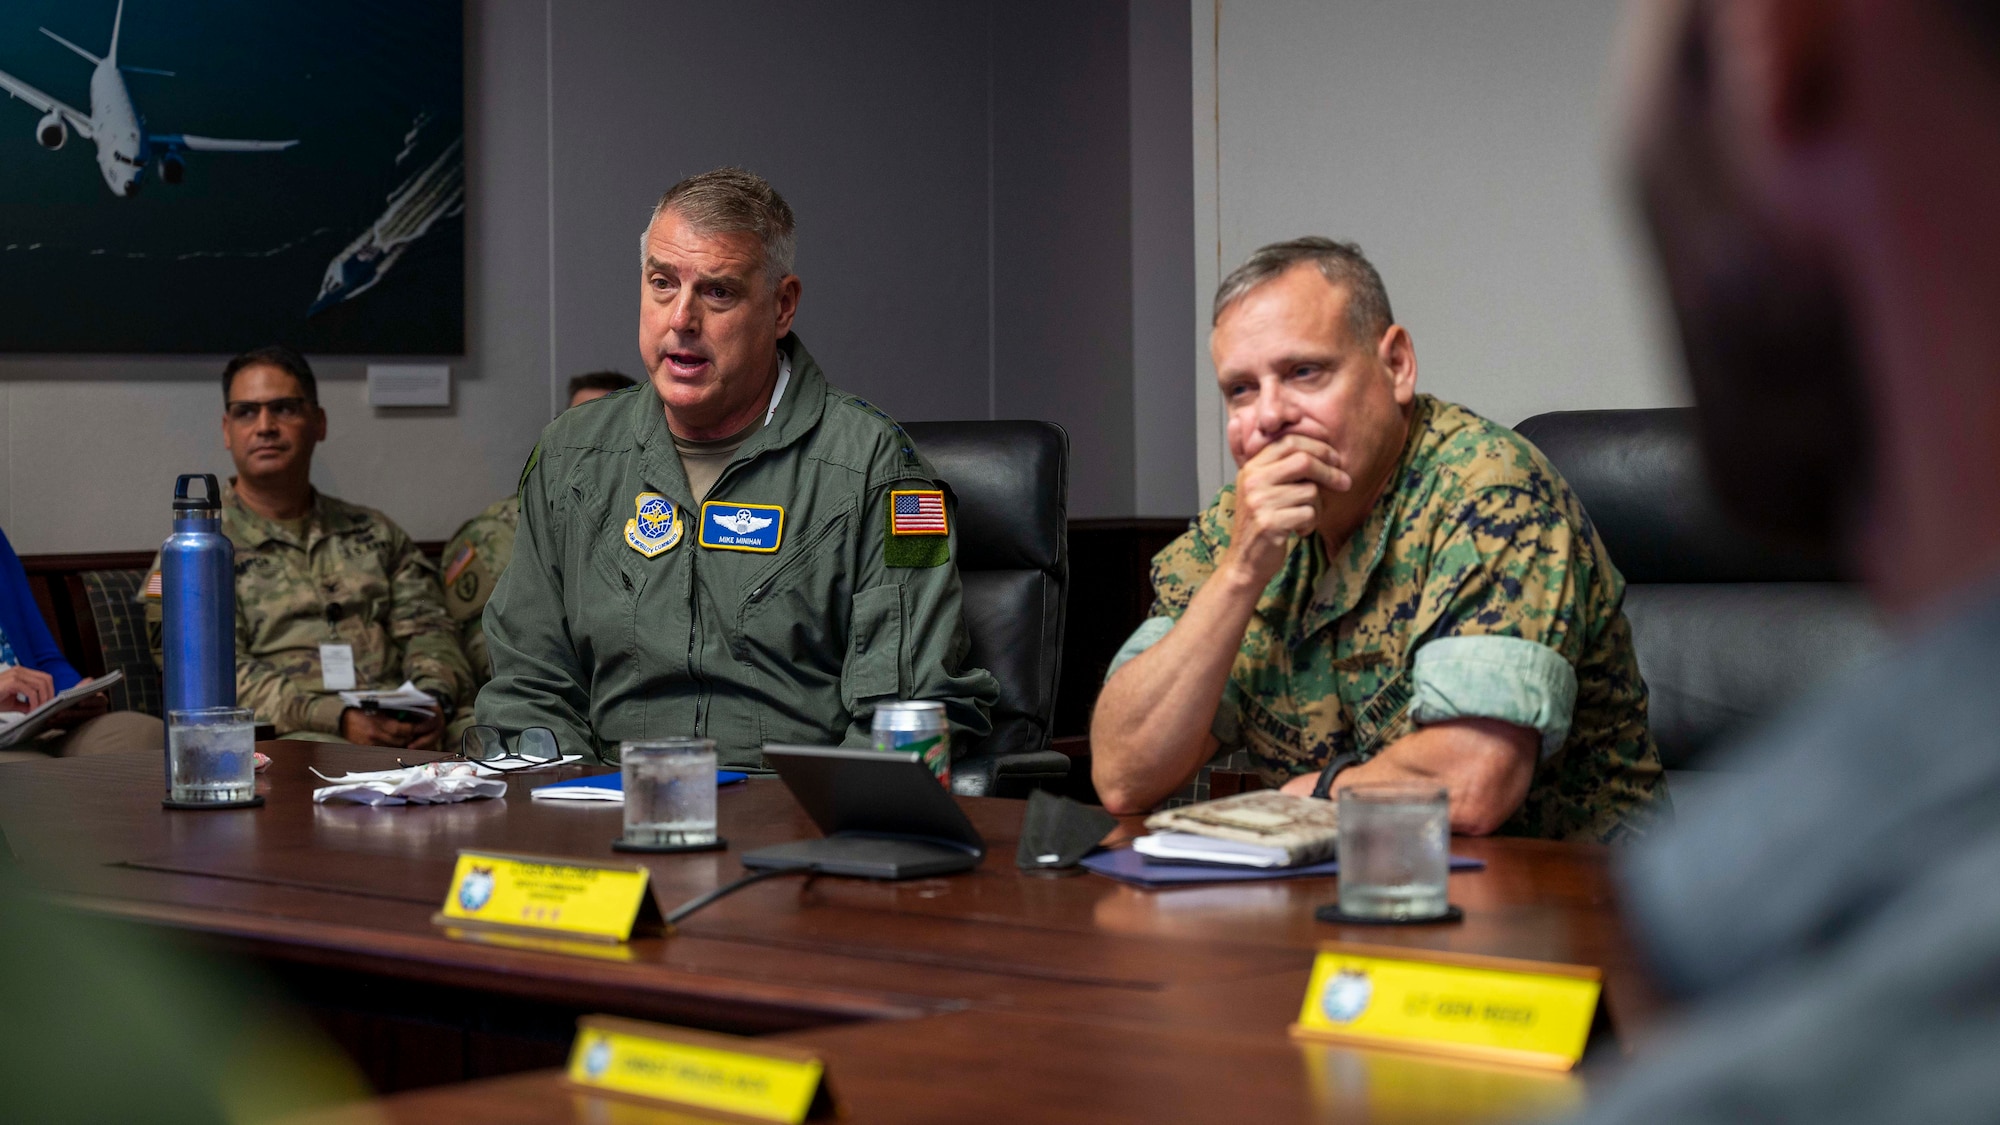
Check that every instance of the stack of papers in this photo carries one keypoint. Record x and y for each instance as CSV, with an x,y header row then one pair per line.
x,y
1186,847
409,697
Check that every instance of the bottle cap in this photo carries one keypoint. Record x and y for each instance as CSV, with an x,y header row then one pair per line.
x,y
209,503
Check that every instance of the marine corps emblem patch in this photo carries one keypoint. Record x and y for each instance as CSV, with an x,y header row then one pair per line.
x,y
656,528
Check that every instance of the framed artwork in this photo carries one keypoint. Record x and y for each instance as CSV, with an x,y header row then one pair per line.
x,y
206,176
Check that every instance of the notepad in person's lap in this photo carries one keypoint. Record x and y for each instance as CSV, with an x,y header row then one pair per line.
x,y
18,726
1261,827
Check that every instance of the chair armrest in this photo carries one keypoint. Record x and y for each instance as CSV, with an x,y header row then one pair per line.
x,y
1014,774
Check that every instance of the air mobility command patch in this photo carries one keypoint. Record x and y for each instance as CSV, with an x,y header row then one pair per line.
x,y
919,530
656,528
729,526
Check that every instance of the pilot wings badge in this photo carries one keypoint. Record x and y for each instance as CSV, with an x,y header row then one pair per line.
x,y
730,526
656,528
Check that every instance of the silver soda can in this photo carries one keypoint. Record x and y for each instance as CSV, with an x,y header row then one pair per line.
x,y
919,725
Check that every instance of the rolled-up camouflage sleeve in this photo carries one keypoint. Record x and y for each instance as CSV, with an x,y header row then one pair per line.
x,y
433,658
1506,613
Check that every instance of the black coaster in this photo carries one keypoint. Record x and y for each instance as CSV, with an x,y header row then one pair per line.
x,y
1053,872
197,806
668,849
1331,913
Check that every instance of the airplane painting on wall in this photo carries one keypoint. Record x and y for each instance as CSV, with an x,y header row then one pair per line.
x,y
206,176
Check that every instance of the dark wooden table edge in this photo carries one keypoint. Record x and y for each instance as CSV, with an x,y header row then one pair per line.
x,y
659,992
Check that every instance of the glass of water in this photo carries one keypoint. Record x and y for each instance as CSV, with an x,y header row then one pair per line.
x,y
212,756
669,795
1394,852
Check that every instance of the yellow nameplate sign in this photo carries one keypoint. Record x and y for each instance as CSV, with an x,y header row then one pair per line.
x,y
545,894
1490,1008
746,1078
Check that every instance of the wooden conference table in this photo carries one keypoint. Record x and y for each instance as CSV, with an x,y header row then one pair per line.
x,y
994,995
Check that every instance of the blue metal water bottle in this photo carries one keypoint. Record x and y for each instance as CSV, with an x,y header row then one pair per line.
x,y
198,596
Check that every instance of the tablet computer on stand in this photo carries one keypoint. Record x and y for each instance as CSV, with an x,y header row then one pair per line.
x,y
883,812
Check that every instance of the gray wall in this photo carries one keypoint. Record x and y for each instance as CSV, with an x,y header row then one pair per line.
x,y
976,184
1468,145
1163,260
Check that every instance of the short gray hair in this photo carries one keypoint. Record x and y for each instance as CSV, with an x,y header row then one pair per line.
x,y
728,201
1341,263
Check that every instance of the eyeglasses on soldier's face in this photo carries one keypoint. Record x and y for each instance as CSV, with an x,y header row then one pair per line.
x,y
291,408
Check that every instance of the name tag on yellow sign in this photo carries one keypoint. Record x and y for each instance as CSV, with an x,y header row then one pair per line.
x,y
699,1070
1495,1009
542,894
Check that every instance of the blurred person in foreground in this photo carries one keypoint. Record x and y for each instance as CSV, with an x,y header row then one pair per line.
x,y
1393,589
479,550
113,1022
1820,180
319,579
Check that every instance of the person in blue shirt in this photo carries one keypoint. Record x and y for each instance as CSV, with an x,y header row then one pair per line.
x,y
32,669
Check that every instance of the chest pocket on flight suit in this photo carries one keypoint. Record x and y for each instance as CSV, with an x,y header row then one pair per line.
x,y
791,614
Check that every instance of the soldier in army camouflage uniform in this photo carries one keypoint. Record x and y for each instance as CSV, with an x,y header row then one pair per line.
x,y
737,549
479,551
316,576
1394,589
473,562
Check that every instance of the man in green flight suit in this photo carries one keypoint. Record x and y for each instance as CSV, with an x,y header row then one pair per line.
x,y
720,551
1393,590
479,550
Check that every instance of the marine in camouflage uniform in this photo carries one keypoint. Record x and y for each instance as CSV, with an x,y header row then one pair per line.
x,y
344,575
473,561
1475,537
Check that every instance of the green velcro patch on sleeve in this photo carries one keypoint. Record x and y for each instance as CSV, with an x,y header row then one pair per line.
x,y
910,550
534,458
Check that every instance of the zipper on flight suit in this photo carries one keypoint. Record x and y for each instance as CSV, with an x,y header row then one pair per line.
x,y
694,631
694,601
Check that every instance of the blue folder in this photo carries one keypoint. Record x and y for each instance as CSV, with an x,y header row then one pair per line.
x,y
614,782
1128,866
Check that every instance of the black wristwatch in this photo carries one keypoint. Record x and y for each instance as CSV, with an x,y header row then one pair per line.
x,y
1324,787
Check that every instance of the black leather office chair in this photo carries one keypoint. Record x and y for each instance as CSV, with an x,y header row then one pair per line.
x,y
1727,627
1011,480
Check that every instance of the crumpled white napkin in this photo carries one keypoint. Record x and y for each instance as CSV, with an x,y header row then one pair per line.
x,y
435,783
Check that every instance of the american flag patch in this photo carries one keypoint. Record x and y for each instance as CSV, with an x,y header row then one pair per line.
x,y
459,562
917,512
152,589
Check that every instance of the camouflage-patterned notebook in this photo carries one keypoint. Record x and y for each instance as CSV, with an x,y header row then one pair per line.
x,y
1304,827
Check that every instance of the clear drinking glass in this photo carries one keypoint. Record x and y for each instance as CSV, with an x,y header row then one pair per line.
x,y
211,755
669,792
1394,851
